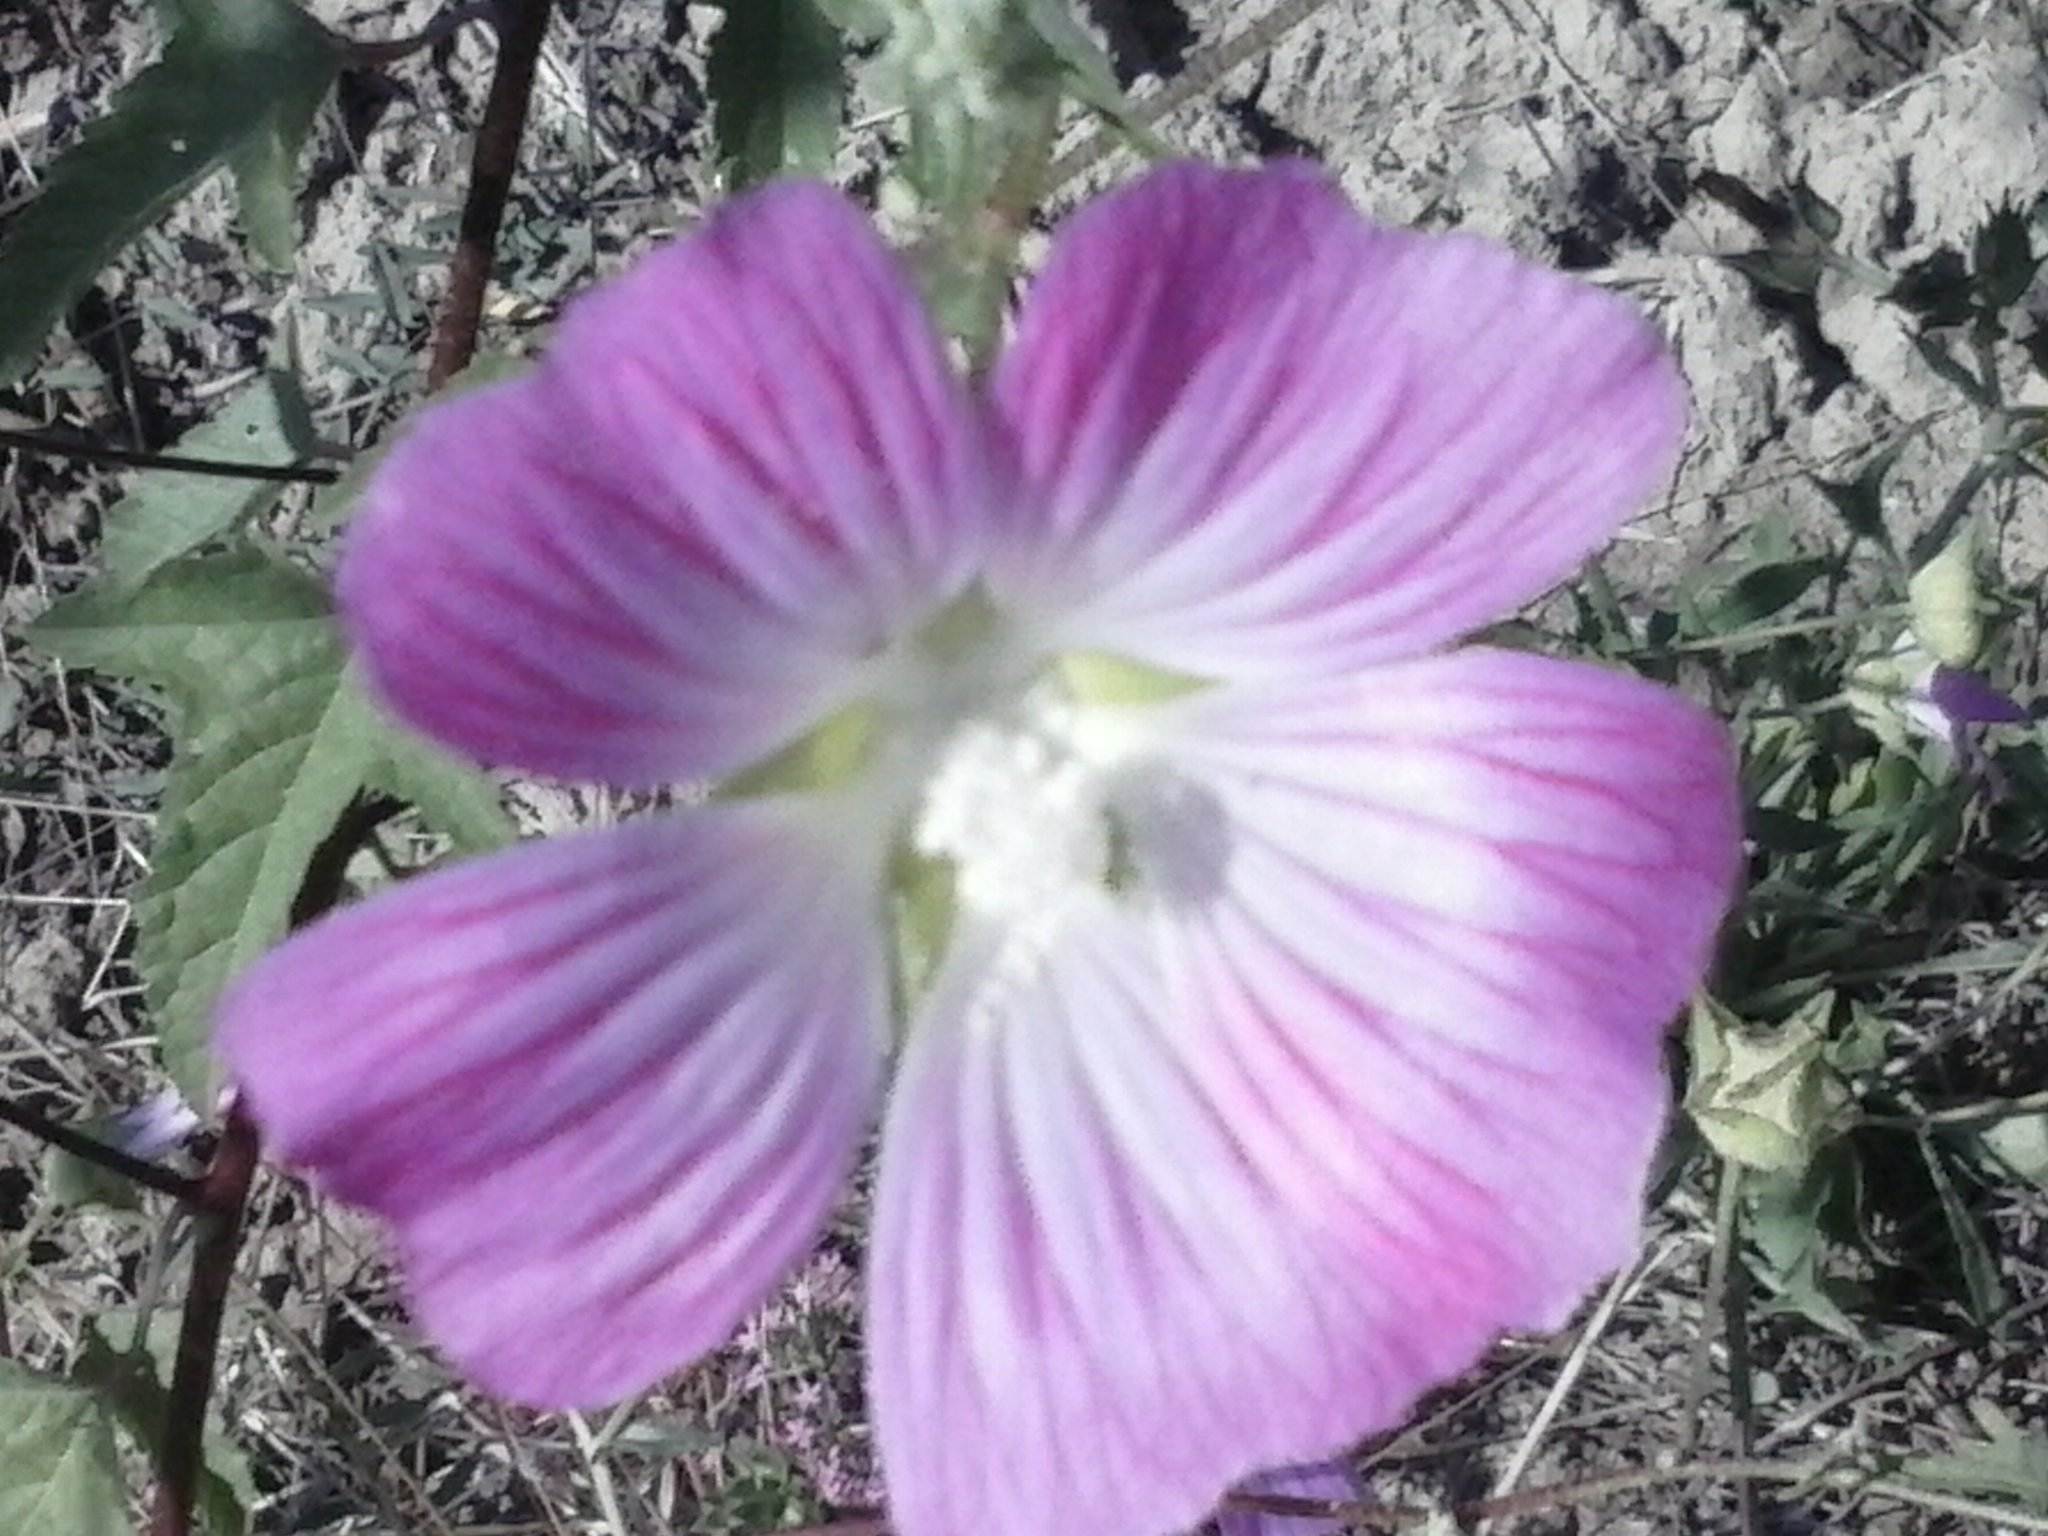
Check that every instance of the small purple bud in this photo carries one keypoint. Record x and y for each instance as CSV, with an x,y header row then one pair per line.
x,y
1968,700
153,1127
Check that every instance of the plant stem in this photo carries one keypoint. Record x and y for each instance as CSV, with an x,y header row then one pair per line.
x,y
1983,1113
113,1159
217,1199
217,1209
491,166
374,55
1763,634
1727,1205
107,453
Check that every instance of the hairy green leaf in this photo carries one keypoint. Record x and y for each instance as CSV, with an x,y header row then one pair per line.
x,y
170,513
204,630
275,740
252,797
778,83
237,85
59,1471
1764,1097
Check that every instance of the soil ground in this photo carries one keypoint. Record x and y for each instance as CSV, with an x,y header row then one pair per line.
x,y
1583,132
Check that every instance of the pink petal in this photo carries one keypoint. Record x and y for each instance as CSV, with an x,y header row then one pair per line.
x,y
601,1098
1262,437
1367,1070
742,466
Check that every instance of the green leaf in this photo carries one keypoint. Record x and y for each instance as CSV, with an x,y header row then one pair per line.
x,y
2009,1461
1786,1220
1767,218
1762,591
1819,215
237,84
169,513
266,168
1937,289
251,799
2019,1145
778,84
2036,346
1973,1255
1861,501
71,1181
1934,352
203,630
1783,831
59,1470
1782,269
1089,75
2003,258
130,1386
335,503
1603,624
275,739
456,799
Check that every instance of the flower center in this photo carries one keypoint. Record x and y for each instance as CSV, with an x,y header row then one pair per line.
x,y
1000,778
1017,809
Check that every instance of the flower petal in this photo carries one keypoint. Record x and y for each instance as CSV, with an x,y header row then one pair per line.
x,y
661,554
1365,1068
602,1099
1966,698
1261,437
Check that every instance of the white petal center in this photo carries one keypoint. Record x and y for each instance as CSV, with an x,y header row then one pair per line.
x,y
1019,808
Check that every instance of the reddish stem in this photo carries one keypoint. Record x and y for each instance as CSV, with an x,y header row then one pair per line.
x,y
217,1203
490,181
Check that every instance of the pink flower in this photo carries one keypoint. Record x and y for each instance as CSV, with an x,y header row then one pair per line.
x,y
1289,1036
